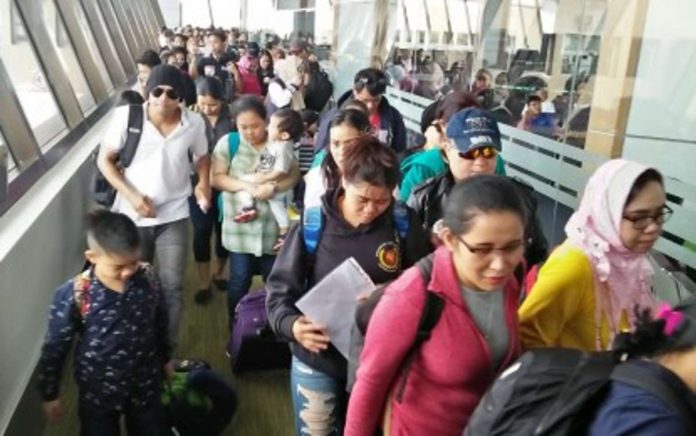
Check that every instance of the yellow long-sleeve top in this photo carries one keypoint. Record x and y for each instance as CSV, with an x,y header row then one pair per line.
x,y
560,309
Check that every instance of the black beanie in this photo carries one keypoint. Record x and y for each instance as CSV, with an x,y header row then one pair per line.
x,y
167,75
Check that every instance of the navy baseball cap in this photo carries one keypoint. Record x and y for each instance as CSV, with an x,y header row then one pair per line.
x,y
473,128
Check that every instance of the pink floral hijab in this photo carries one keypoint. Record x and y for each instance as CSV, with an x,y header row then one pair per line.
x,y
622,278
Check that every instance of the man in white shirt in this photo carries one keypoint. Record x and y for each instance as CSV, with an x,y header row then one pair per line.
x,y
154,189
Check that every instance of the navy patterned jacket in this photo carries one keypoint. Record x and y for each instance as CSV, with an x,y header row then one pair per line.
x,y
122,340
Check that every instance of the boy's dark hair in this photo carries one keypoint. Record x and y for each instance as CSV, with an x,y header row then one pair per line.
x,y
309,117
177,50
149,58
290,122
249,103
219,34
372,79
478,195
182,36
210,86
371,161
112,232
130,97
533,98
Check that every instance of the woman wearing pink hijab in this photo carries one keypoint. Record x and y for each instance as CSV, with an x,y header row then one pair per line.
x,y
587,290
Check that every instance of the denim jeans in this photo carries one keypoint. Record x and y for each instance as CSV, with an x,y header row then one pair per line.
x,y
169,243
243,267
204,223
146,421
319,401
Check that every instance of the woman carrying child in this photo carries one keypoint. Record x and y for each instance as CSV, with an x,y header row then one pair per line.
x,y
250,243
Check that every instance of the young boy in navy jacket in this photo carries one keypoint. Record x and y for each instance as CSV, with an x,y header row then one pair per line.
x,y
116,310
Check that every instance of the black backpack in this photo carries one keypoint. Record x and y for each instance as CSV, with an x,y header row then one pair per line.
x,y
429,318
556,392
102,192
318,91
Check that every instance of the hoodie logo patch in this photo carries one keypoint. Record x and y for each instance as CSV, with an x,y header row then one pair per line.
x,y
388,257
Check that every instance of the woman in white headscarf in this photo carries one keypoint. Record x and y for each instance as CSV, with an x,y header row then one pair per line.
x,y
589,287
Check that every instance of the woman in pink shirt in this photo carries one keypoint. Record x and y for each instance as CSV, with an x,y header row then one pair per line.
x,y
476,335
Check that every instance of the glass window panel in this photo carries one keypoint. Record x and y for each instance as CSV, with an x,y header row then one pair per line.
x,y
28,79
134,25
457,13
139,12
474,11
416,15
438,16
122,30
102,24
400,18
93,49
8,168
63,47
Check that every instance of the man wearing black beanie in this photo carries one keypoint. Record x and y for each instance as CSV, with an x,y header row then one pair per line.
x,y
153,190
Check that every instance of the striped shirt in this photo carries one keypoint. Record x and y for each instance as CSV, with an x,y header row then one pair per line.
x,y
258,236
305,153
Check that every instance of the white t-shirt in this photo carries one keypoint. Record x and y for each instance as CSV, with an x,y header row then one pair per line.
x,y
315,187
277,156
160,167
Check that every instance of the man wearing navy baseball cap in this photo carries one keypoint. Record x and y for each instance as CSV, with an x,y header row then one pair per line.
x,y
474,136
472,145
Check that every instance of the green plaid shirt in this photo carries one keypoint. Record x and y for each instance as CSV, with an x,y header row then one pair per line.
x,y
258,236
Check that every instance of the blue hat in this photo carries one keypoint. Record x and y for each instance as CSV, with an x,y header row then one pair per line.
x,y
473,128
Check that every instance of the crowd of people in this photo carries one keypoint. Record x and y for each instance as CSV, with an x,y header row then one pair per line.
x,y
229,147
521,102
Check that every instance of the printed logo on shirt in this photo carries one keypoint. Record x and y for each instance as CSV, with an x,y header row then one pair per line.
x,y
266,162
389,257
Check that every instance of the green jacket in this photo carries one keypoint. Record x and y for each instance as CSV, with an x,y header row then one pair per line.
x,y
423,165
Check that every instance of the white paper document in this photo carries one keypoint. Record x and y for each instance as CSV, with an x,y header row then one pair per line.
x,y
333,300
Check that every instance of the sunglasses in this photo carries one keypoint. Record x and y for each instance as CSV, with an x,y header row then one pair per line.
x,y
485,152
362,81
171,93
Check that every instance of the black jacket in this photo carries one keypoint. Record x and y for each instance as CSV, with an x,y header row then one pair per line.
x,y
428,201
390,120
294,274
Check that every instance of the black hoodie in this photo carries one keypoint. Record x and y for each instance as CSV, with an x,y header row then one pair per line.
x,y
390,120
293,275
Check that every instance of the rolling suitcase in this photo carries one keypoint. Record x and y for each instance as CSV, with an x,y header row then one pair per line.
x,y
253,346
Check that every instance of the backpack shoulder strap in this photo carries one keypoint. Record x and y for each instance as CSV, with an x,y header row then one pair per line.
x,y
432,309
312,226
136,119
232,149
402,219
633,376
81,284
233,143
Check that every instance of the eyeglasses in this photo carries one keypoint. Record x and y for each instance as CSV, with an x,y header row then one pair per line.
x,y
642,222
171,93
484,252
485,152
